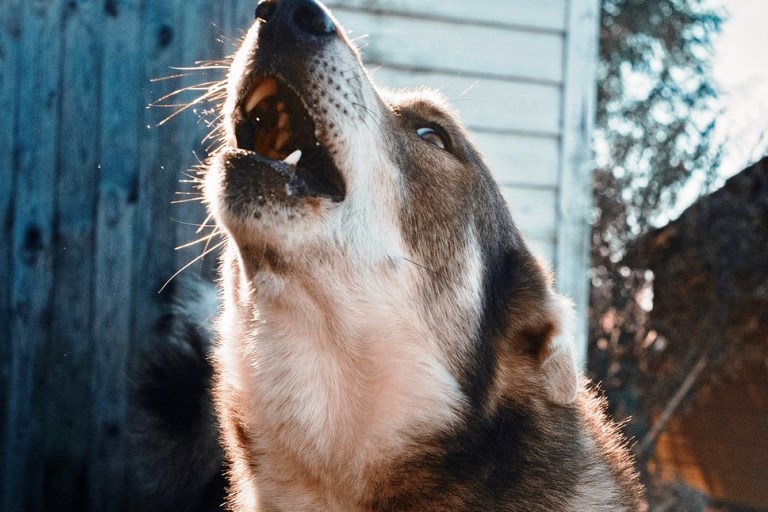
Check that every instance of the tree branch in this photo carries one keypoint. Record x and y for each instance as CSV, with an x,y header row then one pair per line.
x,y
646,445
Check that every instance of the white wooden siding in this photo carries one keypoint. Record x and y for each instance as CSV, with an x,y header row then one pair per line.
x,y
519,159
487,104
520,74
458,49
533,14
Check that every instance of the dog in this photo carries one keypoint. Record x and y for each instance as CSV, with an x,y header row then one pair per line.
x,y
387,342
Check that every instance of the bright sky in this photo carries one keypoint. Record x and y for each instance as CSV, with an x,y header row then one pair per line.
x,y
741,70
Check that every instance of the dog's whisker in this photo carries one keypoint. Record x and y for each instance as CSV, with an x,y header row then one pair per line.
x,y
169,77
198,241
472,86
205,224
183,108
211,89
192,178
180,201
222,67
195,224
185,267
329,344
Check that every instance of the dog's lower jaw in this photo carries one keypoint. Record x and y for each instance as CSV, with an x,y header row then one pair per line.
x,y
307,412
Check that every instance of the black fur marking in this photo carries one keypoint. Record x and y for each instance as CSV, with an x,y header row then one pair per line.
x,y
177,380
506,462
174,449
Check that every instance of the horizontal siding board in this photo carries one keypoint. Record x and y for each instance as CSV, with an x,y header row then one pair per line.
x,y
485,51
538,14
520,160
533,210
487,104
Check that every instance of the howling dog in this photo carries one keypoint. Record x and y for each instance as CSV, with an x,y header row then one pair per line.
x,y
387,342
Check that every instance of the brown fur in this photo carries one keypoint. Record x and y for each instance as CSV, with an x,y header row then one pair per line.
x,y
388,342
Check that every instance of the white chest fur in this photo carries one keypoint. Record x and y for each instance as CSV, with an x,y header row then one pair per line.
x,y
332,380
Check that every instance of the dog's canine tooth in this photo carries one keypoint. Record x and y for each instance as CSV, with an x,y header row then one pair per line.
x,y
293,158
280,106
265,89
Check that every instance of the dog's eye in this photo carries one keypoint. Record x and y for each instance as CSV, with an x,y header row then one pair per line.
x,y
432,136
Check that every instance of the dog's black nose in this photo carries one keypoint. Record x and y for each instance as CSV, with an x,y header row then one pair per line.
x,y
312,18
305,19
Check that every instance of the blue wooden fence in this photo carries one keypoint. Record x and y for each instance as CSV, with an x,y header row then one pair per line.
x,y
87,228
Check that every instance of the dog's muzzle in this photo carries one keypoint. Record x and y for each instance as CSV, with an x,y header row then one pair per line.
x,y
276,128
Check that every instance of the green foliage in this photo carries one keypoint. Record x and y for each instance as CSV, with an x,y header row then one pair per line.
x,y
657,107
656,110
656,113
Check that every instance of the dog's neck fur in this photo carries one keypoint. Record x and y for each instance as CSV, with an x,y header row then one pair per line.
x,y
395,349
331,378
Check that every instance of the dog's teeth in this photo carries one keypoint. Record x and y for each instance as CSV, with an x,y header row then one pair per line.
x,y
280,106
293,158
282,138
265,89
282,120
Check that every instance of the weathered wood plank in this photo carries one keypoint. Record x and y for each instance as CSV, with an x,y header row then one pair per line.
x,y
154,231
32,245
121,124
10,32
241,16
575,199
200,42
539,14
63,397
534,211
456,47
518,160
487,104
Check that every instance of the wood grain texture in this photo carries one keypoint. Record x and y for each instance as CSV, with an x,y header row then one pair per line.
x,y
201,39
32,243
65,359
161,162
121,127
10,33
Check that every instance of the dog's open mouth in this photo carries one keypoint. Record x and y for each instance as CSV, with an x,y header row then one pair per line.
x,y
276,127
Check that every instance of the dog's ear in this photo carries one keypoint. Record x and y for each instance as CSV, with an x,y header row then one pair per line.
x,y
561,377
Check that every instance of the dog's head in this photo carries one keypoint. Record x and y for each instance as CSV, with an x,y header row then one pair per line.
x,y
328,179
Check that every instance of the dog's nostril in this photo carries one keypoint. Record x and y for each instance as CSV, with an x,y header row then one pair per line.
x,y
312,19
265,10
